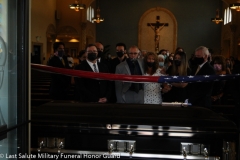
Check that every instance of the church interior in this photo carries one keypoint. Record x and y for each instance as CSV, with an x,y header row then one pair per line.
x,y
186,23
189,25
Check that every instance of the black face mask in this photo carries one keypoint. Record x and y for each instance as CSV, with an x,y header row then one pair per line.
x,y
150,64
198,61
92,56
60,53
99,54
120,54
177,62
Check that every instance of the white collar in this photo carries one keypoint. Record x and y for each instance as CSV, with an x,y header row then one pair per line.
x,y
90,63
202,64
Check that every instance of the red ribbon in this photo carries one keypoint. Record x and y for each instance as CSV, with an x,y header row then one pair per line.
x,y
104,76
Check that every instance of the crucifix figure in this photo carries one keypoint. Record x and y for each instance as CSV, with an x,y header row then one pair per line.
x,y
157,27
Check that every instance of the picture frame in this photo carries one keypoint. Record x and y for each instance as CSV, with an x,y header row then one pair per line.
x,y
73,52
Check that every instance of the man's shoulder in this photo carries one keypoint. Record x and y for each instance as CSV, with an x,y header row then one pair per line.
x,y
208,68
103,66
121,64
115,59
53,60
82,65
140,61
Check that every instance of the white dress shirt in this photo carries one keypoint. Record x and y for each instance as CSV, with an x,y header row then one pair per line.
x,y
91,65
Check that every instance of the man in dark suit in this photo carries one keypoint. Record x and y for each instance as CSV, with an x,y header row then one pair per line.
x,y
130,92
92,90
60,84
121,56
200,92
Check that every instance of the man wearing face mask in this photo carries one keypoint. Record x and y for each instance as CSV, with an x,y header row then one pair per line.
x,y
59,83
200,92
121,56
130,92
101,59
92,90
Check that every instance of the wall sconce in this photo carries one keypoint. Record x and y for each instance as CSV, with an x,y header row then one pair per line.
x,y
217,20
76,6
235,6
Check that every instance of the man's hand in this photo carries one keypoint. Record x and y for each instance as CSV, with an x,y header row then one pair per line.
x,y
166,87
102,100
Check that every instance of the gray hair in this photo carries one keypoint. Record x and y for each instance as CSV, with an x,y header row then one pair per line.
x,y
134,47
161,56
203,49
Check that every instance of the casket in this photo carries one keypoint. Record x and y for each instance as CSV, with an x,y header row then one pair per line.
x,y
72,130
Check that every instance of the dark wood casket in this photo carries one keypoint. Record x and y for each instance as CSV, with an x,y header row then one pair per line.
x,y
128,131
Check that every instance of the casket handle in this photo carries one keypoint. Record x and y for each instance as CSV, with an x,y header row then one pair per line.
x,y
111,148
131,149
60,145
184,152
205,152
40,146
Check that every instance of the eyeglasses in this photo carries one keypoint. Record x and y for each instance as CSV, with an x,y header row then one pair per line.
x,y
100,49
133,53
92,51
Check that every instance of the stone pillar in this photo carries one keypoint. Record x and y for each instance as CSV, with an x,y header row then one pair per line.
x,y
83,35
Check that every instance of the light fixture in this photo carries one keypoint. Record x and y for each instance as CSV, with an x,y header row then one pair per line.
x,y
235,6
217,19
73,40
98,18
77,6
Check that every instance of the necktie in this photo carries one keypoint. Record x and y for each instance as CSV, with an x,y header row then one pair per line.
x,y
197,70
63,61
95,68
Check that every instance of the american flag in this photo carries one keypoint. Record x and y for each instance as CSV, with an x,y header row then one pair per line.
x,y
134,78
197,78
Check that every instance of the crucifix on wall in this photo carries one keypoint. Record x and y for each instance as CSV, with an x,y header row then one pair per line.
x,y
157,27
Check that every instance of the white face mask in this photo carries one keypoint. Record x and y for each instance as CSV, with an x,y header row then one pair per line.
x,y
161,64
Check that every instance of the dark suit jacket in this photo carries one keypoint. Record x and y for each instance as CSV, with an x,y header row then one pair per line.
x,y
114,62
90,90
106,62
59,86
199,93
